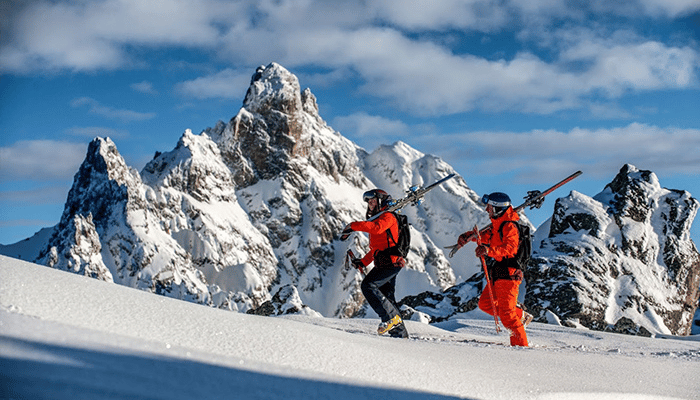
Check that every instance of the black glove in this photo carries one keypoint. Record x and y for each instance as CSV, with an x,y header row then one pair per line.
x,y
346,232
357,263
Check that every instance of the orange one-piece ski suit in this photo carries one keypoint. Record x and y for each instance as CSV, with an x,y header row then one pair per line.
x,y
502,243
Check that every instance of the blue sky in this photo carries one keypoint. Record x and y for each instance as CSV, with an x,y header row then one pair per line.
x,y
515,94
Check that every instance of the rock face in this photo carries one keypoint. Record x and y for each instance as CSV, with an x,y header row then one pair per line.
x,y
246,213
620,261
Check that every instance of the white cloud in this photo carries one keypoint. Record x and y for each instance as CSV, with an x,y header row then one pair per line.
x,y
228,84
364,125
86,36
110,112
428,78
370,130
484,15
625,61
380,42
652,8
544,154
40,160
144,87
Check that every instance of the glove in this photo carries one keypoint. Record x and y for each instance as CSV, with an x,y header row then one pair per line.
x,y
465,238
357,263
346,232
481,250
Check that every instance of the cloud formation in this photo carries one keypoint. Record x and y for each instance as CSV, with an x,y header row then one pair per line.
x,y
404,52
26,160
226,84
544,154
144,87
123,115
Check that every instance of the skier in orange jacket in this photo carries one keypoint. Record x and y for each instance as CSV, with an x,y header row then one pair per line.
x,y
379,285
499,245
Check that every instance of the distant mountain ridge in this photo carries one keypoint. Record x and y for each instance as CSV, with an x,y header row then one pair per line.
x,y
245,216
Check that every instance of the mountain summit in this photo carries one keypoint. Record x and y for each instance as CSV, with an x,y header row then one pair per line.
x,y
245,215
621,261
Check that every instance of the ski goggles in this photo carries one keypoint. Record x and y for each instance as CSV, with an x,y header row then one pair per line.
x,y
486,200
374,194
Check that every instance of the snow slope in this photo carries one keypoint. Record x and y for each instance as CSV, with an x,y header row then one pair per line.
x,y
67,336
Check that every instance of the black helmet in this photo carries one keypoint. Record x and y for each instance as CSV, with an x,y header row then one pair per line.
x,y
383,200
498,200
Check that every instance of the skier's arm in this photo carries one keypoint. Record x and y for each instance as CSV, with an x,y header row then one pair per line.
x,y
379,225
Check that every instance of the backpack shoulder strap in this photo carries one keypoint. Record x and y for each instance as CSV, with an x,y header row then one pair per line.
x,y
388,231
517,226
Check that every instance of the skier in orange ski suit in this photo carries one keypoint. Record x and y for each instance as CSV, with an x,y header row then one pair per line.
x,y
500,244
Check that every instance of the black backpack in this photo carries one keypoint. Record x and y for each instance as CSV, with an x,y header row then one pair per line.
x,y
403,244
522,257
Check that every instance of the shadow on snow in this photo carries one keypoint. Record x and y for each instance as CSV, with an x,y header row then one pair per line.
x,y
60,372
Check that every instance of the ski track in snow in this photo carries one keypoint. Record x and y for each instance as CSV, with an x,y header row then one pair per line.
x,y
63,336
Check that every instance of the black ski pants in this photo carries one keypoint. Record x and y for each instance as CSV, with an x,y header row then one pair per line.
x,y
379,287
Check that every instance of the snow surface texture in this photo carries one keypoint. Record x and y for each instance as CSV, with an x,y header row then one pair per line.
x,y
64,336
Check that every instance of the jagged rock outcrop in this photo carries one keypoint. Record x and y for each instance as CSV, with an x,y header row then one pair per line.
x,y
285,301
620,261
108,217
77,249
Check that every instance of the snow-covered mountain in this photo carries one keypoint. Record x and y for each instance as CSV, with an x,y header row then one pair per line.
x,y
245,215
621,261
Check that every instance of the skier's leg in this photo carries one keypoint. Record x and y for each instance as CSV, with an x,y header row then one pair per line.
x,y
375,279
389,291
507,293
485,301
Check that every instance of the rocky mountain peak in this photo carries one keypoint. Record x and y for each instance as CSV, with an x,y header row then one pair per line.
x,y
194,167
619,261
273,88
630,189
103,180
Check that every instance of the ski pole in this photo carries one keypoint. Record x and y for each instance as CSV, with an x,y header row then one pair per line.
x,y
488,281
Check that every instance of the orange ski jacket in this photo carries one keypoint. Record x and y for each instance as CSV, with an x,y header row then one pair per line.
x,y
378,238
502,242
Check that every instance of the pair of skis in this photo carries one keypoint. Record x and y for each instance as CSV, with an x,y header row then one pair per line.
x,y
414,196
